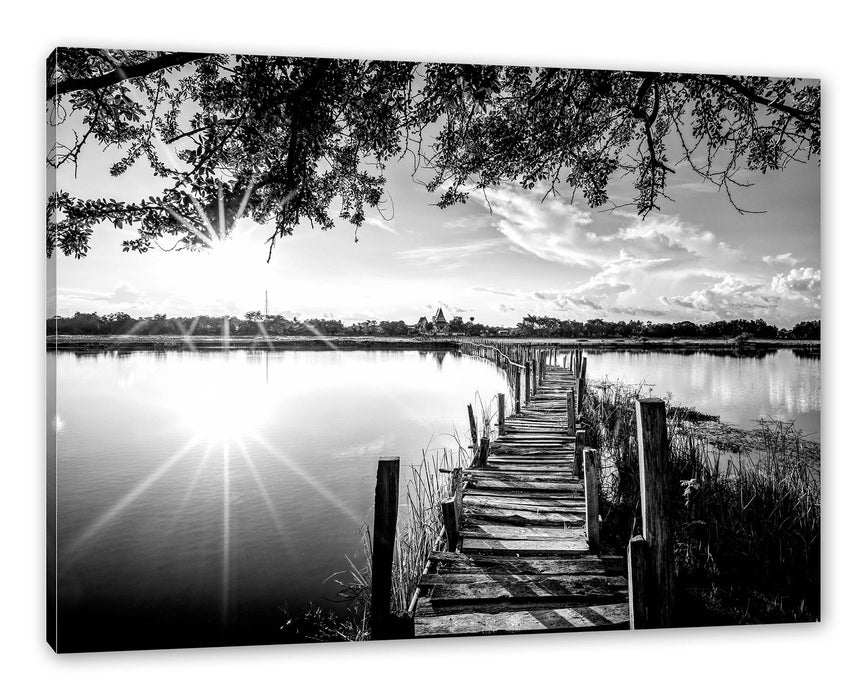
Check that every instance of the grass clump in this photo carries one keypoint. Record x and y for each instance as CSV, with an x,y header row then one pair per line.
x,y
746,508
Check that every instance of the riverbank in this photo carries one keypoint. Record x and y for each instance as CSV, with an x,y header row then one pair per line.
x,y
445,343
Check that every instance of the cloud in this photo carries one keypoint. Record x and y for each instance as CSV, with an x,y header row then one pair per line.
x,y
123,297
453,254
125,294
801,283
782,259
488,290
380,224
729,298
556,231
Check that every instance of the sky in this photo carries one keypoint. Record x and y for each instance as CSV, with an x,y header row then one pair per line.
x,y
495,259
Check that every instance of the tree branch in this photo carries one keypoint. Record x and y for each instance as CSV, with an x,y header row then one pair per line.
x,y
137,70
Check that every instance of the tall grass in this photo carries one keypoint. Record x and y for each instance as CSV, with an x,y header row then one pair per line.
x,y
746,510
419,532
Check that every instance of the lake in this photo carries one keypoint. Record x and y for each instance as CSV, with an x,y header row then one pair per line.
x,y
206,497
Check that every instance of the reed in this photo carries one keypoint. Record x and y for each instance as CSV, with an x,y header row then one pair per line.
x,y
434,478
746,515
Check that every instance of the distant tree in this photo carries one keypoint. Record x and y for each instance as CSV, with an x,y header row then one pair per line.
x,y
279,139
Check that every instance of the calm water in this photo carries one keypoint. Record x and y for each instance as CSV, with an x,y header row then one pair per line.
x,y
784,384
201,495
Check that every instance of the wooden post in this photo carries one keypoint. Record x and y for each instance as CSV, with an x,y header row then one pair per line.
x,y
579,444
452,522
581,386
473,429
655,487
482,452
501,398
569,407
528,370
384,534
517,391
534,376
638,610
590,486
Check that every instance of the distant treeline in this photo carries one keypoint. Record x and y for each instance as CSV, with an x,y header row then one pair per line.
x,y
255,323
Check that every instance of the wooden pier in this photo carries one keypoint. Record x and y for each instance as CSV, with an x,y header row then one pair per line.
x,y
523,558
520,549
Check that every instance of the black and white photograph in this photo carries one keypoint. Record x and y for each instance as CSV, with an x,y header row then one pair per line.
x,y
350,349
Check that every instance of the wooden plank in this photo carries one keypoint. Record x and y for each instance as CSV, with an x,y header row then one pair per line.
x,y
572,505
506,516
571,619
524,547
454,563
576,589
506,484
516,532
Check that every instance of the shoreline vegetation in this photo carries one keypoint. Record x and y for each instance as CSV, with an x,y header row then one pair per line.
x,y
746,517
262,342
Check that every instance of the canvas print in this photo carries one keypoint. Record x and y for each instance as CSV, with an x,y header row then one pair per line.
x,y
349,350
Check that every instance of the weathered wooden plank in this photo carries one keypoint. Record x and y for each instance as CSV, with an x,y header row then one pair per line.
x,y
506,484
524,517
448,563
524,547
577,589
566,505
516,532
535,476
597,617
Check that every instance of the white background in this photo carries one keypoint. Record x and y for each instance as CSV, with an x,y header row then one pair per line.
x,y
792,38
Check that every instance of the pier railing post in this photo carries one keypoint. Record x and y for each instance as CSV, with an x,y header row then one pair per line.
x,y
569,407
473,428
534,375
517,383
638,609
656,487
483,450
590,487
581,386
451,519
501,407
528,377
579,444
384,535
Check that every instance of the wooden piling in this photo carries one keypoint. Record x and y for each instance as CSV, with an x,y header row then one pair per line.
x,y
656,487
384,533
581,386
473,429
569,404
483,451
501,401
637,556
528,376
452,522
517,391
534,376
579,444
590,486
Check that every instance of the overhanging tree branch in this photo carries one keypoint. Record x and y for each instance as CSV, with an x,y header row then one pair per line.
x,y
137,70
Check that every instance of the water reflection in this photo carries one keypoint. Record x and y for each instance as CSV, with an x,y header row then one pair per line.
x,y
741,388
199,493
